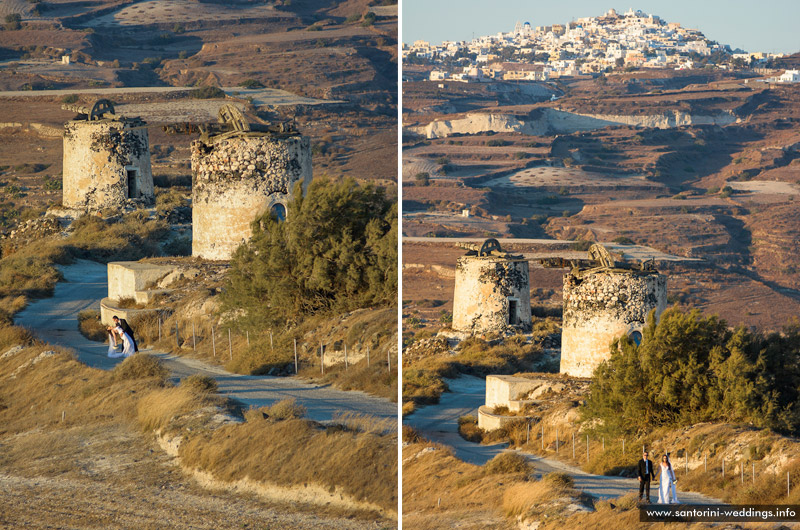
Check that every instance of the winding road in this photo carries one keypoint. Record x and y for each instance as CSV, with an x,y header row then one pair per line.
x,y
54,320
439,423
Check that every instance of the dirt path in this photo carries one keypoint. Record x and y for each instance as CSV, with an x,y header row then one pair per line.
x,y
261,96
439,423
54,320
55,502
502,241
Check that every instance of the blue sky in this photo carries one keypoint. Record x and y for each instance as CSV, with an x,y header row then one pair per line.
x,y
764,25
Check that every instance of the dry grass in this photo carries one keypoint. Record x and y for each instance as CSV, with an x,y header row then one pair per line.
x,y
423,377
285,409
350,457
376,378
264,357
469,430
623,512
365,423
30,272
298,451
10,305
441,491
90,326
141,366
96,455
129,303
524,498
200,384
411,435
773,454
158,409
508,462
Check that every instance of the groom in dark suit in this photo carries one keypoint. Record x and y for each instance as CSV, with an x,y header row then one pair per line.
x,y
127,329
646,472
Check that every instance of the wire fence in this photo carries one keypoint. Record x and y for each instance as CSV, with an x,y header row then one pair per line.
x,y
224,343
582,448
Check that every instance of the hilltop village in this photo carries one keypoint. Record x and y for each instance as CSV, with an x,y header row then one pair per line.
x,y
587,45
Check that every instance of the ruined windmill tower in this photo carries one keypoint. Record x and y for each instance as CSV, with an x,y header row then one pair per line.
x,y
106,159
239,171
603,300
492,290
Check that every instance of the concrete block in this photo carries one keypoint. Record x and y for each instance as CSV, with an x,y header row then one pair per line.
x,y
127,278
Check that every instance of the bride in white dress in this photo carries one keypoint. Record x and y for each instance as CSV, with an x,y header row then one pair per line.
x,y
127,343
666,483
113,350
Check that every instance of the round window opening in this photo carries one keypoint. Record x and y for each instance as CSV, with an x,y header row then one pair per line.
x,y
278,212
636,337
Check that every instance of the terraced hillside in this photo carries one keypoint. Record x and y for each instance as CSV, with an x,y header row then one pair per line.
x,y
702,164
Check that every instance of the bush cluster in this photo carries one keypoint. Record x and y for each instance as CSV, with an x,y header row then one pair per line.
x,y
336,251
691,369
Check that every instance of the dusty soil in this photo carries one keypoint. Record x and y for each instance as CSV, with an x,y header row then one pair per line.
x,y
116,478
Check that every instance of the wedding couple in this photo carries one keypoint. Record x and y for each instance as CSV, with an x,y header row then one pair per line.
x,y
666,479
120,339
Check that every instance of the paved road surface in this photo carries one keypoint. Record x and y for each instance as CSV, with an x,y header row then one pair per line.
x,y
54,320
439,423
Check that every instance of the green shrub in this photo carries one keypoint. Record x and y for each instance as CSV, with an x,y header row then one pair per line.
x,y
690,369
582,244
251,83
52,183
369,19
336,251
207,92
